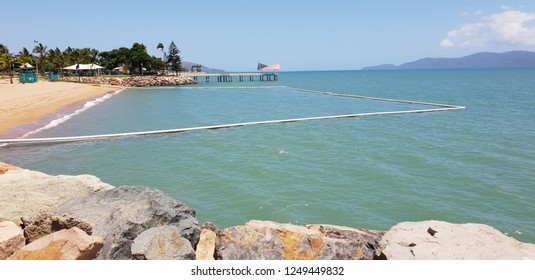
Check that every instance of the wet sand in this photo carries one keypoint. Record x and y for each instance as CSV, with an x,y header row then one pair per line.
x,y
23,104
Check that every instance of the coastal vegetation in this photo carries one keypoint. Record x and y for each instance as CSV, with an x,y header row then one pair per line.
x,y
136,58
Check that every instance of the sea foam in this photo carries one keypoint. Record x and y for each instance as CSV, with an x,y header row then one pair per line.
x,y
65,118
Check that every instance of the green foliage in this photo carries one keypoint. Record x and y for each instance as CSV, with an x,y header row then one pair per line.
x,y
24,57
54,59
3,49
6,60
41,60
114,58
57,59
138,58
85,56
173,58
157,64
196,68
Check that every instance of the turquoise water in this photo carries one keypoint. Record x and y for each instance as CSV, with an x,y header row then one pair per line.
x,y
473,165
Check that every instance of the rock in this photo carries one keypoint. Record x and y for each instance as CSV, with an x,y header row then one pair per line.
x,y
135,81
43,224
436,240
11,239
265,240
26,192
66,244
119,215
206,246
162,243
4,167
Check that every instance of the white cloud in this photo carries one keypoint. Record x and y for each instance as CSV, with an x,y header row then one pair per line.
x,y
507,27
476,13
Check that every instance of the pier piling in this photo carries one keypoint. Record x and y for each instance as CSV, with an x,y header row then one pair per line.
x,y
229,77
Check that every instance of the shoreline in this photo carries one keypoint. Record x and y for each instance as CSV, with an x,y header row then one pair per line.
x,y
29,108
25,108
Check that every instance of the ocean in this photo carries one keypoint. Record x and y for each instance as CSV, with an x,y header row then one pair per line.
x,y
475,165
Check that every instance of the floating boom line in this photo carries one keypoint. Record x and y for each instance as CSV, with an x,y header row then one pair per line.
x,y
442,107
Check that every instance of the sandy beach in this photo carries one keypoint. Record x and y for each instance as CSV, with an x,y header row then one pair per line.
x,y
21,104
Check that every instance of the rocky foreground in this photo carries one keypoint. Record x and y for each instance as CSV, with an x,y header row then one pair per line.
x,y
134,81
80,217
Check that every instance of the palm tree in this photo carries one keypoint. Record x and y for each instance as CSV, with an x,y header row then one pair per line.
x,y
41,50
94,56
73,56
26,57
3,49
57,59
7,61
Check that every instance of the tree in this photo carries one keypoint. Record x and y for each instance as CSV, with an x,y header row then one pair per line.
x,y
114,58
173,58
157,64
7,61
41,50
57,59
138,58
3,49
3,64
94,56
25,56
196,68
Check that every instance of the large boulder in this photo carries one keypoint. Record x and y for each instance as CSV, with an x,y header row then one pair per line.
x,y
437,240
162,243
119,215
26,192
43,224
66,244
266,240
11,239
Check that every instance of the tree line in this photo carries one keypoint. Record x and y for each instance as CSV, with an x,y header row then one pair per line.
x,y
136,58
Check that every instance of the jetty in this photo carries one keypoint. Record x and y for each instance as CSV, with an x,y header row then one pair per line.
x,y
230,77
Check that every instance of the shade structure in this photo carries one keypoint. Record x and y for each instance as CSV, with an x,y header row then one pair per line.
x,y
121,68
91,66
272,67
26,66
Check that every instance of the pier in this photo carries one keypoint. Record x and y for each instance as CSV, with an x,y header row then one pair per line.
x,y
229,77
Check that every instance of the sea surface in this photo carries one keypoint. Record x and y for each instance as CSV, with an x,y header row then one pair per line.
x,y
475,165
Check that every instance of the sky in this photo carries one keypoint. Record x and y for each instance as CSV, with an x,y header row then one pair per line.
x,y
300,35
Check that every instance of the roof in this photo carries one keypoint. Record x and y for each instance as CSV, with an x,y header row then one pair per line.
x,y
91,66
273,67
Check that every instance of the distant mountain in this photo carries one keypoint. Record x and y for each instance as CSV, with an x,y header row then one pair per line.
x,y
482,60
187,65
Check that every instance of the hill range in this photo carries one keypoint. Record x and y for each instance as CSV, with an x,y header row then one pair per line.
x,y
188,64
481,60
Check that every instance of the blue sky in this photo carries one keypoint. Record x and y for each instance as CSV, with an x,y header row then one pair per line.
x,y
300,35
